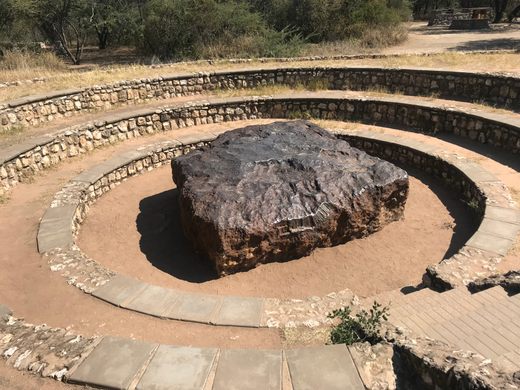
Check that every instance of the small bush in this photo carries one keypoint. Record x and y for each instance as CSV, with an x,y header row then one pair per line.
x,y
271,43
364,326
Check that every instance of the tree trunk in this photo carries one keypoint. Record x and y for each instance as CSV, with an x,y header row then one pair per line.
x,y
514,14
500,7
102,34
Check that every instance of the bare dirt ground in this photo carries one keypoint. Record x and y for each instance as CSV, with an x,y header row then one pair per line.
x,y
35,293
424,39
135,230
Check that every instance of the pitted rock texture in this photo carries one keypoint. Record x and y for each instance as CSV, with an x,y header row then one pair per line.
x,y
275,192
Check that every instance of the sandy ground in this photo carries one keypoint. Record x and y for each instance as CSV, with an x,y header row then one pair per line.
x,y
135,230
35,293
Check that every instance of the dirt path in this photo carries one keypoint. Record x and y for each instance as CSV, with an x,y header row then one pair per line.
x,y
424,39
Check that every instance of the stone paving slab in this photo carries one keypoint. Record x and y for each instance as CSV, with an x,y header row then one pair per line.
x,y
490,243
189,139
120,290
162,145
55,229
14,151
503,214
194,307
499,228
113,364
178,368
124,159
240,311
475,172
43,96
153,300
91,175
324,368
249,370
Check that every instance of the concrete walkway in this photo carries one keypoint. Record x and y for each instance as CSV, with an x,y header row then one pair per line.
x,y
123,364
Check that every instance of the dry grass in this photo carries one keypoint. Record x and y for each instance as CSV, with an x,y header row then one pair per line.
x,y
268,90
59,78
506,62
303,336
13,134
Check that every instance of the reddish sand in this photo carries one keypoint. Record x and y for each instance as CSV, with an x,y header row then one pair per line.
x,y
28,286
135,230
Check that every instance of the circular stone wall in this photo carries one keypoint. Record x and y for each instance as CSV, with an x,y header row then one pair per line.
x,y
138,233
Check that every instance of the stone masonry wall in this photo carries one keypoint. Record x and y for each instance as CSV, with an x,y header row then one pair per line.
x,y
435,167
496,90
73,142
85,189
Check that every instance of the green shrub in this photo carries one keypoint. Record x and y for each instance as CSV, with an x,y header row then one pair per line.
x,y
364,326
332,20
177,29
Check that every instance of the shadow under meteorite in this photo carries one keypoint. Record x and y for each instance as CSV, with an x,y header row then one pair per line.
x,y
163,242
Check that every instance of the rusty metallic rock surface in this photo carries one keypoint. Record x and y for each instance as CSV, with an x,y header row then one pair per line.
x,y
275,192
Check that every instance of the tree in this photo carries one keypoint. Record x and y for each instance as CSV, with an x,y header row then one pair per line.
x,y
185,28
500,7
117,20
65,23
6,16
515,13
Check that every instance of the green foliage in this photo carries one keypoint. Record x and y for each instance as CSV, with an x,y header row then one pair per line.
x,y
191,29
6,16
364,326
65,23
208,28
332,20
116,21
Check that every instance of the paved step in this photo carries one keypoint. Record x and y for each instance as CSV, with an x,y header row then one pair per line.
x,y
487,322
117,363
113,364
178,368
442,307
324,368
249,370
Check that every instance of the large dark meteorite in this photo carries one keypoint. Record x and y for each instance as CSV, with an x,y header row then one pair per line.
x,y
274,193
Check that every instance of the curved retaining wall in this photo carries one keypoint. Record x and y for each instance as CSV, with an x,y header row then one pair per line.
x,y
28,158
499,90
56,236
